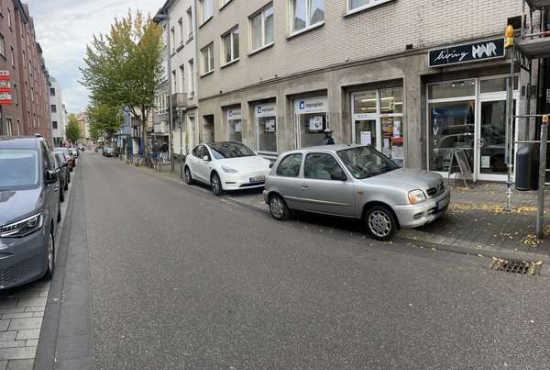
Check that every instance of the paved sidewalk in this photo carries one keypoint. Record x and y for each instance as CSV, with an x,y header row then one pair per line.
x,y
475,223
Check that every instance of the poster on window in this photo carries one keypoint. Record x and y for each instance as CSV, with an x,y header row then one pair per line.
x,y
397,152
397,129
316,124
485,161
366,138
270,126
238,126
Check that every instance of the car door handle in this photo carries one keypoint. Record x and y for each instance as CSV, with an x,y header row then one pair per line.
x,y
304,187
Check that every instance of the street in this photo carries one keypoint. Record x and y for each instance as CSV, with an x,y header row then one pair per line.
x,y
180,279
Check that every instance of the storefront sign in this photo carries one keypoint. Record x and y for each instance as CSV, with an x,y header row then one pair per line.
x,y
466,53
5,88
265,110
234,114
313,105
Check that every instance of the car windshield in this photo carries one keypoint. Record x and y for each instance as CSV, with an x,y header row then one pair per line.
x,y
364,162
19,169
230,150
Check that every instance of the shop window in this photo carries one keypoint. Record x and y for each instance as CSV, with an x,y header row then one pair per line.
x,y
311,120
452,126
496,85
266,123
453,89
306,14
234,124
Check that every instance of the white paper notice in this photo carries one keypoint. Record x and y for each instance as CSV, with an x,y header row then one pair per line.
x,y
270,125
398,152
366,138
316,123
238,126
386,143
485,161
397,129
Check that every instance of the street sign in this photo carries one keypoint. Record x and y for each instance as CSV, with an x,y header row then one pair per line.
x,y
5,86
5,98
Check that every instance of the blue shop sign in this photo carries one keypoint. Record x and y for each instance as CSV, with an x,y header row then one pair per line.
x,y
474,52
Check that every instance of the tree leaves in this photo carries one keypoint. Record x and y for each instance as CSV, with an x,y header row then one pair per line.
x,y
72,130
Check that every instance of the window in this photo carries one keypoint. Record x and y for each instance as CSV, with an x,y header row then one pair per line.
x,y
306,14
261,26
12,56
15,94
322,166
290,166
191,78
181,32
175,82
54,108
2,45
182,76
52,91
9,18
230,44
224,3
208,59
9,127
356,5
206,10
32,94
190,23
173,39
54,125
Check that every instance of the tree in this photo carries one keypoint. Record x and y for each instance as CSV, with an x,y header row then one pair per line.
x,y
124,68
103,119
72,130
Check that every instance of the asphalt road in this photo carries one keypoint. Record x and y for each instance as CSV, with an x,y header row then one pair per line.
x,y
181,279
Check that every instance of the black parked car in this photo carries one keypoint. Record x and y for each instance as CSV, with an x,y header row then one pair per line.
x,y
29,211
63,174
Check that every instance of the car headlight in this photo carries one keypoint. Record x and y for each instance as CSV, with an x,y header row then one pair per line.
x,y
229,169
22,228
417,196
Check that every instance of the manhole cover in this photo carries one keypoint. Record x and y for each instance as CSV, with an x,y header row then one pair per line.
x,y
517,267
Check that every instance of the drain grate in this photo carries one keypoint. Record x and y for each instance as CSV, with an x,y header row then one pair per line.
x,y
517,267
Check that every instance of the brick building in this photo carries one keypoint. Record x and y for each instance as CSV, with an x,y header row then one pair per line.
x,y
21,55
276,74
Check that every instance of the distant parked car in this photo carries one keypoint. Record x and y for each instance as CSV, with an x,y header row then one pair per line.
x,y
63,174
108,152
226,166
29,211
355,182
68,156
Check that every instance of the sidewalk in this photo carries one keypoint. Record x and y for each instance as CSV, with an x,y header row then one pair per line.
x,y
475,223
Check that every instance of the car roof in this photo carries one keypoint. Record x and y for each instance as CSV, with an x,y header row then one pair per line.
x,y
10,142
325,148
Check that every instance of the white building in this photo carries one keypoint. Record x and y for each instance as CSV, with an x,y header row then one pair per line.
x,y
57,113
179,92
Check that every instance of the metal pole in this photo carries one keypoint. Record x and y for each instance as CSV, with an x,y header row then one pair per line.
x,y
170,146
510,129
181,144
542,178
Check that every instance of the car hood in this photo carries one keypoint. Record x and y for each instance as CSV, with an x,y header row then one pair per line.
x,y
244,164
407,179
15,205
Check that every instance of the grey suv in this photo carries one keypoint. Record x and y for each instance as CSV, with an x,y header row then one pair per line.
x,y
356,182
29,211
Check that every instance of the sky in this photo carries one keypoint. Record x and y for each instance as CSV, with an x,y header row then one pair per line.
x,y
65,27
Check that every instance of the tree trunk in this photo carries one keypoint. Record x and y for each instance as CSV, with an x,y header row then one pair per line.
x,y
144,137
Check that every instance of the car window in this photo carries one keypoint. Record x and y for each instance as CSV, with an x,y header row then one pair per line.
x,y
203,152
196,151
290,166
230,150
48,160
322,166
364,162
19,169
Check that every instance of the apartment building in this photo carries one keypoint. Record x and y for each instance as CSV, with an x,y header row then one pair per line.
x,y
57,113
21,55
415,78
178,92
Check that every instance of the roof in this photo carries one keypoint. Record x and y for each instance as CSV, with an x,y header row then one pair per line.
x,y
20,142
538,4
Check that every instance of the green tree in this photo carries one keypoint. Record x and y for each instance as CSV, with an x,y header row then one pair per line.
x,y
103,119
95,134
72,130
124,67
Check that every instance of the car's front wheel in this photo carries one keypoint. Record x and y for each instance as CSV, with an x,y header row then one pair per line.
x,y
216,185
50,252
381,223
278,208
188,176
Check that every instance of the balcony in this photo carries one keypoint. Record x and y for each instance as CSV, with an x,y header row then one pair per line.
x,y
161,128
179,100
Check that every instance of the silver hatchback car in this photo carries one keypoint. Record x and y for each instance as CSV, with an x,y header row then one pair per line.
x,y
355,182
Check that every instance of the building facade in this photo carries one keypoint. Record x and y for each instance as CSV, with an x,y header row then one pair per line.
x,y
276,74
21,56
57,113
179,93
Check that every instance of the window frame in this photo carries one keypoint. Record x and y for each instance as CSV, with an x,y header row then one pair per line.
x,y
224,3
261,13
203,20
309,25
204,70
375,3
2,45
230,34
301,155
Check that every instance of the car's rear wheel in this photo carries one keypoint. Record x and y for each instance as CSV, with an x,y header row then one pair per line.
x,y
216,185
188,176
278,208
381,223
50,252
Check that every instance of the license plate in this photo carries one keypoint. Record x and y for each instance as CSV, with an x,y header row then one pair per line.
x,y
443,203
257,179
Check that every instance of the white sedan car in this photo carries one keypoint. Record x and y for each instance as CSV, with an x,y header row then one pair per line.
x,y
226,166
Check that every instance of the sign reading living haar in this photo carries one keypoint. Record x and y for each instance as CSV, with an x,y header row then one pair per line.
x,y
477,51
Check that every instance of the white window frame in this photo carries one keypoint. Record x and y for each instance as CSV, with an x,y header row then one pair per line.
x,y
223,3
181,31
203,18
261,13
190,23
373,4
308,26
2,45
230,34
191,81
210,49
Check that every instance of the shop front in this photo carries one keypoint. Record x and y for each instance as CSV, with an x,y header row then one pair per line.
x,y
310,121
378,121
233,120
265,118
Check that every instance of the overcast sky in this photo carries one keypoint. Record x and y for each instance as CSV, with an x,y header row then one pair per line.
x,y
64,27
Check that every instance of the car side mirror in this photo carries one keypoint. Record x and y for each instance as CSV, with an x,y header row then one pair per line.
x,y
206,158
51,177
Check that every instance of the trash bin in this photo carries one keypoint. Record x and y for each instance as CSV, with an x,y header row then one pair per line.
x,y
527,168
